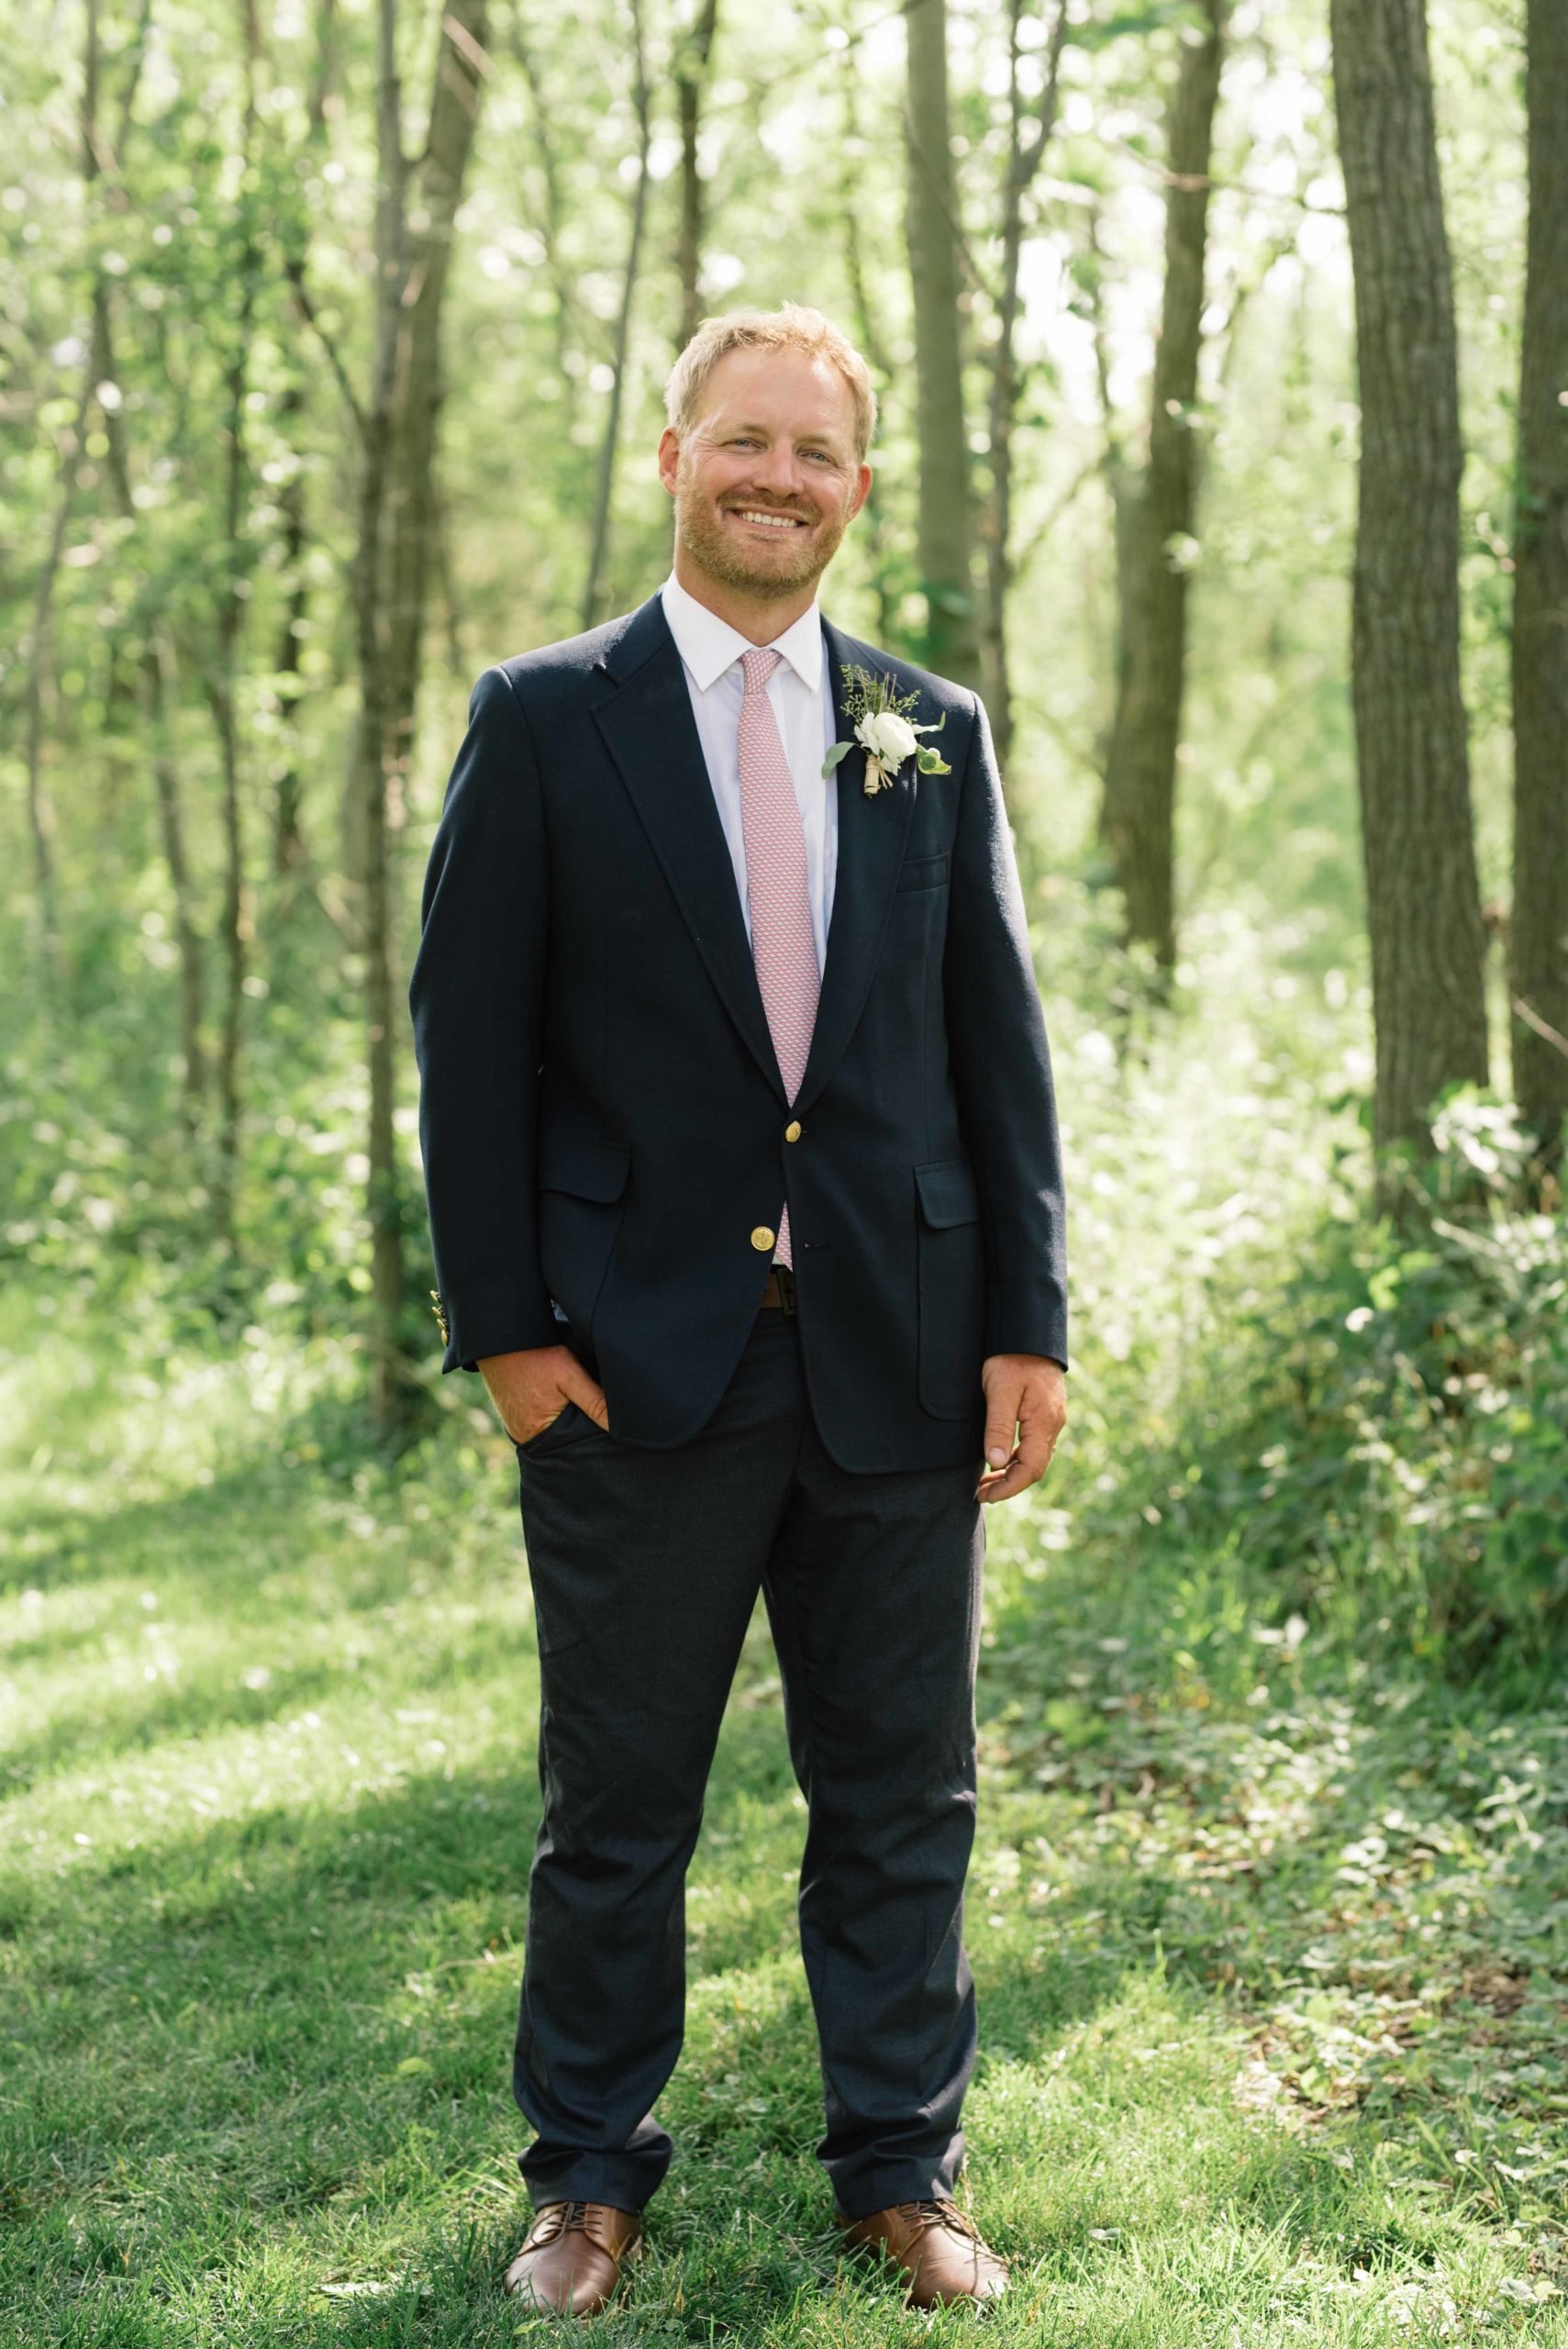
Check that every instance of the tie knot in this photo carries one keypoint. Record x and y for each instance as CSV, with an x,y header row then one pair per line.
x,y
759,665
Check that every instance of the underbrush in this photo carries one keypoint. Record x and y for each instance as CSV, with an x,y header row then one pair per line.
x,y
1389,1451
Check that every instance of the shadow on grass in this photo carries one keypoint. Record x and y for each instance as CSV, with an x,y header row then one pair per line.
x,y
303,2023
293,2027
241,1954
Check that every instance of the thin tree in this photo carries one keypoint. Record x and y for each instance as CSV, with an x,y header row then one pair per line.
x,y
156,693
397,423
876,538
41,643
99,394
1423,905
596,592
288,835
1138,811
39,677
550,210
946,534
1029,126
222,679
693,56
157,698
1538,960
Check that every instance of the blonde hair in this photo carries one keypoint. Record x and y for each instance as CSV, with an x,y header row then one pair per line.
x,y
791,327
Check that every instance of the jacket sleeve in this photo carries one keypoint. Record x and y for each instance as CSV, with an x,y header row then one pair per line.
x,y
1001,1065
476,994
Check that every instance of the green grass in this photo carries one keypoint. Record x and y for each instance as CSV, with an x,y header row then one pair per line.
x,y
1269,1917
1273,2052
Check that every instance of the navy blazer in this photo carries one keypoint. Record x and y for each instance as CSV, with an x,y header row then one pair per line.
x,y
603,1120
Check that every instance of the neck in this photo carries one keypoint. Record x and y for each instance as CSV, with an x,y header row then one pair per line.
x,y
759,618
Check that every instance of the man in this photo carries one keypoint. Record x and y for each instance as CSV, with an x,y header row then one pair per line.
x,y
745,1197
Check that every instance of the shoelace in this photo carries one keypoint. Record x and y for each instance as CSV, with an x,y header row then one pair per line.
x,y
566,2217
923,2216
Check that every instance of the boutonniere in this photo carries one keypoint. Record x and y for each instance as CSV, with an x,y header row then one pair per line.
x,y
883,730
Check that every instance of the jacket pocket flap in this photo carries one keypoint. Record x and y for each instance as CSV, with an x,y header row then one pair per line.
x,y
589,1170
948,1194
922,872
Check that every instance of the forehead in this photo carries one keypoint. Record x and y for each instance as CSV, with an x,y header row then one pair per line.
x,y
791,391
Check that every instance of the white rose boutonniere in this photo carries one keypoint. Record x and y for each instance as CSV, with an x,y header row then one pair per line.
x,y
883,730
889,738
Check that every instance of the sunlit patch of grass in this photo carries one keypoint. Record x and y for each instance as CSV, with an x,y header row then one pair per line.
x,y
1269,1935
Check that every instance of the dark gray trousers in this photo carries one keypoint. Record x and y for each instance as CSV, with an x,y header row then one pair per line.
x,y
645,1568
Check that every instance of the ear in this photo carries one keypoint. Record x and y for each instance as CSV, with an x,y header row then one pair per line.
x,y
669,459
863,490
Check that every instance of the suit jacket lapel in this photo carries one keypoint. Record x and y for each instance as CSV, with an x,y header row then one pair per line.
x,y
648,726
872,834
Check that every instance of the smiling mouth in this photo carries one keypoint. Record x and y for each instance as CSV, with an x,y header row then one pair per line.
x,y
768,521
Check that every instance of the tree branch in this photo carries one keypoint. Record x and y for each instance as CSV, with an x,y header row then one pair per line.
x,y
295,273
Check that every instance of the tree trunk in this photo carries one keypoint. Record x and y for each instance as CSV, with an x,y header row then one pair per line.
x,y
156,681
946,537
1028,133
551,216
390,577
235,919
41,666
691,73
1423,906
1112,465
155,698
595,595
288,836
95,150
413,507
882,558
1138,813
1538,969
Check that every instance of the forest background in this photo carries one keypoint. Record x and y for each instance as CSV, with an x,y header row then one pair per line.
x,y
1223,354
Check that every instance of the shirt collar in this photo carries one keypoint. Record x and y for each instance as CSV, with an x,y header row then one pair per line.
x,y
709,646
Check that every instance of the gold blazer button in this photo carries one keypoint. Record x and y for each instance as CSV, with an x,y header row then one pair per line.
x,y
762,1238
793,1130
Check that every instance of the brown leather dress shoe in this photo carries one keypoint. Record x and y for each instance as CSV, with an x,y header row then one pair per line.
x,y
939,2248
571,2263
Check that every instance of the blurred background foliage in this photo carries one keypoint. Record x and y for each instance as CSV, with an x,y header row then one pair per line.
x,y
199,1083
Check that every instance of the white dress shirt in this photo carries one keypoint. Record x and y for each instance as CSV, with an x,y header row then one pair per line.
x,y
802,696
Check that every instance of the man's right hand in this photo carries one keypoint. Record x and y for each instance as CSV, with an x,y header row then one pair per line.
x,y
531,1388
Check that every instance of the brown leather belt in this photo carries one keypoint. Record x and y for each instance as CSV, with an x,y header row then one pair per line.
x,y
779,1294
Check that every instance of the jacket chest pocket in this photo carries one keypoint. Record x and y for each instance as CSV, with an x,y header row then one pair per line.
x,y
922,872
950,1245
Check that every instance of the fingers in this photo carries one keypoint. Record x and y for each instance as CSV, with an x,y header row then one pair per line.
x,y
1025,1467
586,1391
1017,1474
1032,1398
532,1388
1003,1398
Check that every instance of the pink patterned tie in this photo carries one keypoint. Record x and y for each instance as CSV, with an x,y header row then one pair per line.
x,y
782,940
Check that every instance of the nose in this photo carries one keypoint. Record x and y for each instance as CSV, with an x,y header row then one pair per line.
x,y
779,472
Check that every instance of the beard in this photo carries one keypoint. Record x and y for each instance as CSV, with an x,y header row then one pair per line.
x,y
703,532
